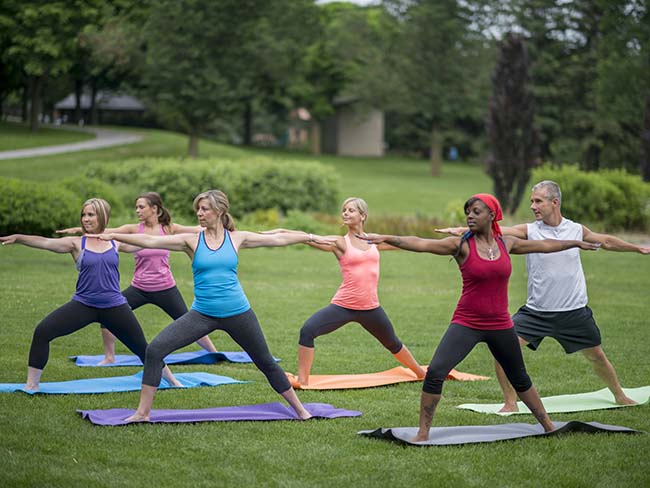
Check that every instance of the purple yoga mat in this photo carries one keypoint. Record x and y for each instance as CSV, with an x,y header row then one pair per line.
x,y
265,411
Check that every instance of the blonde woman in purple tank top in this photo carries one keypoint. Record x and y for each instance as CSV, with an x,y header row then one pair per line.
x,y
97,296
356,299
153,282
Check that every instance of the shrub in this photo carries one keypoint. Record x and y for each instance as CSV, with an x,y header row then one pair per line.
x,y
250,185
608,200
86,188
29,207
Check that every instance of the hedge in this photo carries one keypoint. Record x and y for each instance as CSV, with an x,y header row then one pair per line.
x,y
250,185
609,199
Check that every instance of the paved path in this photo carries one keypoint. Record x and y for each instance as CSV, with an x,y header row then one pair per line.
x,y
104,138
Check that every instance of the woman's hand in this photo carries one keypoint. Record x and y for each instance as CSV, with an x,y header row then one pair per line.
x,y
454,231
69,230
7,240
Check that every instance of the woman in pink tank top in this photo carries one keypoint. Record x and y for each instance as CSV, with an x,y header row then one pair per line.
x,y
482,314
356,299
153,282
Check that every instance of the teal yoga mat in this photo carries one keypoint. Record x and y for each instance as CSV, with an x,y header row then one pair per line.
x,y
117,383
579,402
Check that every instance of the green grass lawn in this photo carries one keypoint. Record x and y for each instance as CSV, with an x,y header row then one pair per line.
x,y
19,136
43,442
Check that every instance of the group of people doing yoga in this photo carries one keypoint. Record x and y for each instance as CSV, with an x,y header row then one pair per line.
x,y
556,305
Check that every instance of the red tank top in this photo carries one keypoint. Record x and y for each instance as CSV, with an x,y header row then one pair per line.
x,y
484,301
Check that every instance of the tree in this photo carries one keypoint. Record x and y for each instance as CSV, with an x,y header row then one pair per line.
x,y
196,66
514,140
42,38
437,65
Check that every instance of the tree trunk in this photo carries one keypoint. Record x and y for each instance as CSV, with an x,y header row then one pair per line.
x,y
35,88
248,123
435,153
24,102
645,141
193,144
94,118
592,158
315,137
78,92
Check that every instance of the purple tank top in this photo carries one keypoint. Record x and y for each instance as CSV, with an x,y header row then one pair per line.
x,y
98,284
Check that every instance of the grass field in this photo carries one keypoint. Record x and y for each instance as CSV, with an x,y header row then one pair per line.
x,y
43,442
18,136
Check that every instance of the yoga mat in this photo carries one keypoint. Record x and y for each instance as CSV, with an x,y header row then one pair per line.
x,y
266,411
117,383
580,402
192,357
368,380
473,434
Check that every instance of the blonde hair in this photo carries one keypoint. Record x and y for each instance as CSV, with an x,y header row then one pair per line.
x,y
102,209
218,201
360,205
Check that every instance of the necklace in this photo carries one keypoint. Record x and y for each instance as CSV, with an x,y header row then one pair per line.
x,y
491,254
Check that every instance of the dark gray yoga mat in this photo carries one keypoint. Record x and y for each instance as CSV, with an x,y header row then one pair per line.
x,y
472,434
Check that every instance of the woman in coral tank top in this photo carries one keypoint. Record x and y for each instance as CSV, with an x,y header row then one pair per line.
x,y
356,299
482,313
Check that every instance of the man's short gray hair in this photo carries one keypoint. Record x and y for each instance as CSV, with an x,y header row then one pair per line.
x,y
552,189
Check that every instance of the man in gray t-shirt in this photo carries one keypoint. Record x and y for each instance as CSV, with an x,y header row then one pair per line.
x,y
557,294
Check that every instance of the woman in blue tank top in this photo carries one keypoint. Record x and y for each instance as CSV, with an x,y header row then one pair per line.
x,y
97,296
220,302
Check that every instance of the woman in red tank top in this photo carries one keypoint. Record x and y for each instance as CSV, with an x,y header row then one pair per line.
x,y
482,311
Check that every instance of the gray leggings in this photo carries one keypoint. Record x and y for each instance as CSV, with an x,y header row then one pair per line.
x,y
457,343
243,328
332,317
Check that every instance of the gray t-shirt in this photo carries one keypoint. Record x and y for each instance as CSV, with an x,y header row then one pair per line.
x,y
556,282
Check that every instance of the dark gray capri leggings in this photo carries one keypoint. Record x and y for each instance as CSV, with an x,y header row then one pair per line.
x,y
73,316
243,328
332,317
457,343
170,300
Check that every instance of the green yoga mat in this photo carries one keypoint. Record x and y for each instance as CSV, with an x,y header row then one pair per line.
x,y
580,402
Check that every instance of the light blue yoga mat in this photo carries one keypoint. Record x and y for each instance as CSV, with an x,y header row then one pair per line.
x,y
192,357
580,402
118,383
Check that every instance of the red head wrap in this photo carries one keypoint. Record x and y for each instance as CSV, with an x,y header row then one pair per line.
x,y
494,205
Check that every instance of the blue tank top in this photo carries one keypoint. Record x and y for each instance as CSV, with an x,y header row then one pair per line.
x,y
217,292
98,284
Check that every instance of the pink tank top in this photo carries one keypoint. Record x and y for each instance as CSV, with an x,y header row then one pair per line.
x,y
484,301
360,271
152,272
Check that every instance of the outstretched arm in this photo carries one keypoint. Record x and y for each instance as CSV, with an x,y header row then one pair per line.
x,y
520,231
176,242
445,247
122,229
524,246
185,229
328,246
62,245
245,239
612,243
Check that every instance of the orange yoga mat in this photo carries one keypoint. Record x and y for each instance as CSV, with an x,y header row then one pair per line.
x,y
368,380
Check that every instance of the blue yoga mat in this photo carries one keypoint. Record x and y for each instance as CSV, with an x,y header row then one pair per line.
x,y
118,383
192,357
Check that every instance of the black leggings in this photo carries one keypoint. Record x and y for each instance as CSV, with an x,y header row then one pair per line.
x,y
73,316
170,300
457,343
332,317
243,328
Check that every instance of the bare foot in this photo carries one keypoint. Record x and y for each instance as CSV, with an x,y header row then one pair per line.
x,y
625,400
30,387
175,383
107,360
420,437
509,407
304,414
137,417
293,380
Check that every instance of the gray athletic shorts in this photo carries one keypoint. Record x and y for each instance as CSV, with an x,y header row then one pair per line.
x,y
574,330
